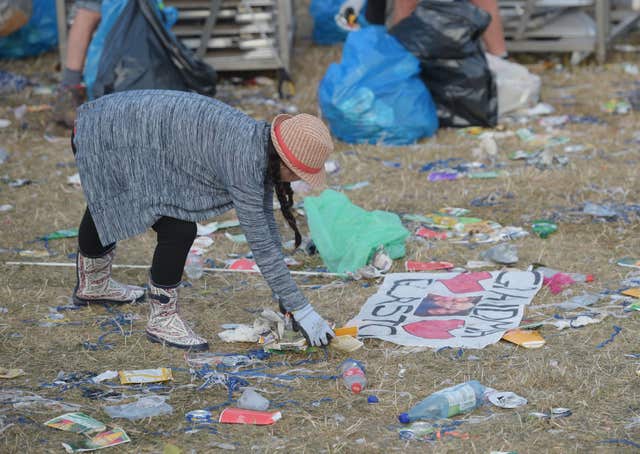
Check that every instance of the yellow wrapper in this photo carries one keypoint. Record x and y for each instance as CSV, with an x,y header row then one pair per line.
x,y
128,377
634,292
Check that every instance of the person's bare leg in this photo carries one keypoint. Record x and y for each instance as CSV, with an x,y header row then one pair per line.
x,y
71,92
493,36
402,9
80,34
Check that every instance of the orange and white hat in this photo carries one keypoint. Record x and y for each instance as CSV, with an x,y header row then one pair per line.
x,y
303,143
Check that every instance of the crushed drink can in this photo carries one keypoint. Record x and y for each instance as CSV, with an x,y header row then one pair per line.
x,y
198,416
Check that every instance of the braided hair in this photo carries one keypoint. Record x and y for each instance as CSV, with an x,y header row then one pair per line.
x,y
283,191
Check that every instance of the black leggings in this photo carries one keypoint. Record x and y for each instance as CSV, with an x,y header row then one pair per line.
x,y
175,238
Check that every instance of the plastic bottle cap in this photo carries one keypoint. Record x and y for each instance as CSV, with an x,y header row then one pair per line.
x,y
404,418
356,388
372,399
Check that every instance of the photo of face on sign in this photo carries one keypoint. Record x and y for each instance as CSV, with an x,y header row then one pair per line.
x,y
438,305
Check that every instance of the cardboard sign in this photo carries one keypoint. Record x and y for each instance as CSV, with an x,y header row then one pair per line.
x,y
469,310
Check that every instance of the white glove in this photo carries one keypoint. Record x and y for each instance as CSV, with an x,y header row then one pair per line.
x,y
347,8
315,329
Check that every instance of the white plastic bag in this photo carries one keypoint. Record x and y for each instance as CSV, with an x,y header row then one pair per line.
x,y
517,88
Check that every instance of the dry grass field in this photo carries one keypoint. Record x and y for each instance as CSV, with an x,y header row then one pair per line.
x,y
600,386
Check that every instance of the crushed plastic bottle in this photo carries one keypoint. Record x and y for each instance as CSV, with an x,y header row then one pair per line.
x,y
352,372
194,266
504,254
251,400
543,227
579,302
599,211
448,402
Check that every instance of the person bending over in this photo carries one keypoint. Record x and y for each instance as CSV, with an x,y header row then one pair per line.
x,y
166,159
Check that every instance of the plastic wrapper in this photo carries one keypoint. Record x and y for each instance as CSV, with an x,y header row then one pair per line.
x,y
445,36
145,407
128,377
348,236
375,95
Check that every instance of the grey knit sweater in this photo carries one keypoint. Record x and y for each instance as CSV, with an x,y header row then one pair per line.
x,y
146,154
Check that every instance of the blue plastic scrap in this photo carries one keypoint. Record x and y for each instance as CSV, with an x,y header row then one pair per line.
x,y
620,441
118,324
12,83
616,331
439,164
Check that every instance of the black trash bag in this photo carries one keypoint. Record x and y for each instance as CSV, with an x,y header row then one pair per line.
x,y
142,54
445,36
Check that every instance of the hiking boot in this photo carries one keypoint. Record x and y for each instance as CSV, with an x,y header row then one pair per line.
x,y
96,286
68,98
165,325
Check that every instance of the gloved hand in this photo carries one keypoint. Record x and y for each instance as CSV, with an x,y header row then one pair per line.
x,y
348,14
355,5
315,328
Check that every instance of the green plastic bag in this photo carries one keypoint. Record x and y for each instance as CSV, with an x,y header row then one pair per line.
x,y
58,234
347,236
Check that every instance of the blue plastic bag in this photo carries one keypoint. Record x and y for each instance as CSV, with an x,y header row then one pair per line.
x,y
375,94
325,29
38,35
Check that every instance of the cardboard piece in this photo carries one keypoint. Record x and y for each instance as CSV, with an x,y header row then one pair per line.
x,y
102,440
76,422
128,377
634,292
524,338
467,310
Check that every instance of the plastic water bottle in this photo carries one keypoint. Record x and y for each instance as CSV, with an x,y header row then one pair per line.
x,y
353,375
194,266
448,402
